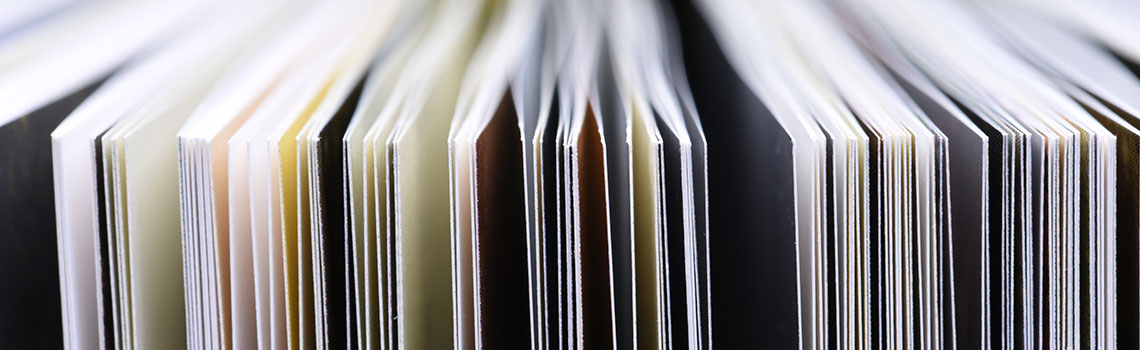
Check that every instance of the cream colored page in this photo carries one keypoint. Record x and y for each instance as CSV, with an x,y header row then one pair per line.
x,y
118,210
264,209
155,245
152,201
647,228
376,223
266,202
422,211
289,234
374,232
377,214
422,239
294,232
109,215
286,155
377,200
304,241
359,142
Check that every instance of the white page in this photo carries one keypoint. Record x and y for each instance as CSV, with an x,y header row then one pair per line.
x,y
76,191
361,221
286,297
265,219
156,119
22,15
240,98
59,70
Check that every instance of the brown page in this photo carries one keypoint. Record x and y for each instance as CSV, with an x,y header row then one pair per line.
x,y
500,233
593,238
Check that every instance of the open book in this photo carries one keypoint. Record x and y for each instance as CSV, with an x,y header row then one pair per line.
x,y
564,174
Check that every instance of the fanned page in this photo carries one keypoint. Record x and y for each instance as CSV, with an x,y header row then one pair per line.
x,y
561,174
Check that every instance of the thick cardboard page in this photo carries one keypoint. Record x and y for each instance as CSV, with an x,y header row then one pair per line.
x,y
290,142
108,293
965,146
532,86
875,258
702,305
1127,235
418,177
151,192
335,326
1105,88
1070,167
31,315
377,217
566,266
331,244
592,250
1127,200
674,238
293,204
190,250
752,225
112,162
547,184
971,163
500,231
104,167
648,269
383,160
615,122
968,162
75,197
219,124
366,185
497,64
